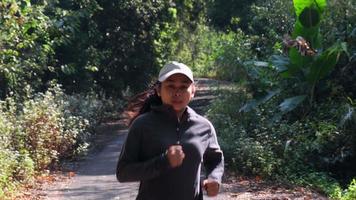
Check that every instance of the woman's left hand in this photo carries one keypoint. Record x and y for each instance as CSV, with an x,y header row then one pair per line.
x,y
211,186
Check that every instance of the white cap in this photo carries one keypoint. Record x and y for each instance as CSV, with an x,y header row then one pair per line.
x,y
174,67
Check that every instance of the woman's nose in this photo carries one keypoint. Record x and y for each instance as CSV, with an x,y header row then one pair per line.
x,y
176,92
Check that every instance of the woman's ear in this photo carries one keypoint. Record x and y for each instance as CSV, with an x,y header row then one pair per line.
x,y
193,91
158,89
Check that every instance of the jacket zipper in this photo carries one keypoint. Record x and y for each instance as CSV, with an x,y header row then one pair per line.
x,y
178,132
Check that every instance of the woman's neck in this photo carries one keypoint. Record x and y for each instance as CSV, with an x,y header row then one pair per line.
x,y
180,114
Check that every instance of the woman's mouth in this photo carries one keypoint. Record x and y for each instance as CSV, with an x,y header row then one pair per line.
x,y
176,102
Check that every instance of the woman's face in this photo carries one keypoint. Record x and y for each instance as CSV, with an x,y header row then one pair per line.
x,y
177,91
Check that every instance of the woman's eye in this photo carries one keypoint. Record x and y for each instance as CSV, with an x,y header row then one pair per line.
x,y
180,88
183,88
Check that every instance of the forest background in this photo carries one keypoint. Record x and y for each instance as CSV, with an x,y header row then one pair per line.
x,y
66,66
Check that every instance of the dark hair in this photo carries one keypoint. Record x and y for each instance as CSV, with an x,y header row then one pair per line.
x,y
142,102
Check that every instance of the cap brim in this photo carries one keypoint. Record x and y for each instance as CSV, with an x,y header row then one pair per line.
x,y
165,76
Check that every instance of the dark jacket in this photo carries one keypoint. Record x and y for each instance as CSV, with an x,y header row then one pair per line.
x,y
143,155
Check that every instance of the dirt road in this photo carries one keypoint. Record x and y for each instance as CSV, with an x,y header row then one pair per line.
x,y
95,178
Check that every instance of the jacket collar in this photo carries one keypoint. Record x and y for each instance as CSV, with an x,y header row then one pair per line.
x,y
188,114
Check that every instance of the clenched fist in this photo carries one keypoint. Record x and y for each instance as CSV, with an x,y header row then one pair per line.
x,y
175,155
211,187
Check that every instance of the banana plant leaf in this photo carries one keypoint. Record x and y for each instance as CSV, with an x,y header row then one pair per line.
x,y
326,62
291,103
254,103
309,14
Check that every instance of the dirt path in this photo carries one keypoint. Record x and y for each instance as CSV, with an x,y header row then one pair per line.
x,y
95,178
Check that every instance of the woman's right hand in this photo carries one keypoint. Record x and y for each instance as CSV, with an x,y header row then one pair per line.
x,y
175,155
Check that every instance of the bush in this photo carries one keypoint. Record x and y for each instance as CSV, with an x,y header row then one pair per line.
x,y
93,107
350,193
7,166
245,142
15,163
61,126
43,128
233,50
302,149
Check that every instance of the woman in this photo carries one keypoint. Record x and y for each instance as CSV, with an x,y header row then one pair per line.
x,y
168,142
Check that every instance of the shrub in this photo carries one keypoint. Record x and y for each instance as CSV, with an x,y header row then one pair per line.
x,y
247,146
38,130
93,107
43,125
61,126
233,50
259,142
15,164
350,192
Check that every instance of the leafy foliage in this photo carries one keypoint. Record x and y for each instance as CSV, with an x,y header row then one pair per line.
x,y
340,26
268,20
351,191
229,15
306,71
304,142
43,129
25,45
99,49
75,36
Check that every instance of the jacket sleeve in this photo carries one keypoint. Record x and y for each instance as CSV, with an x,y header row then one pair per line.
x,y
130,167
213,158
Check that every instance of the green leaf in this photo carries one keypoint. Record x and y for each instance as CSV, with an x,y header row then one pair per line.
x,y
291,103
280,63
173,12
353,33
300,5
309,14
309,17
292,70
298,62
260,64
326,62
92,68
254,103
311,34
68,69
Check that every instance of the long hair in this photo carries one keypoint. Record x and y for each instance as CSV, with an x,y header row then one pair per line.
x,y
142,102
